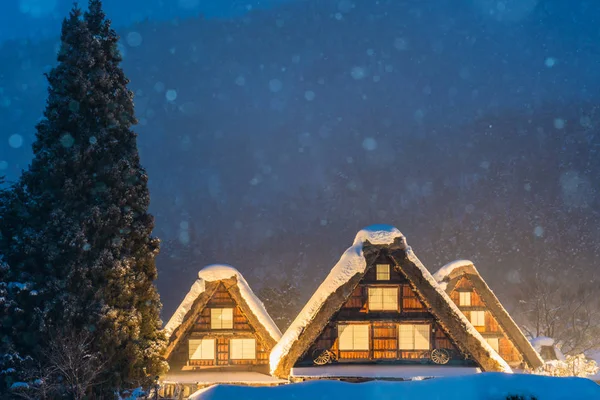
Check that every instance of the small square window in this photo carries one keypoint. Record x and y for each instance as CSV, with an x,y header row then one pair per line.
x,y
465,299
201,349
413,337
383,272
221,318
478,318
493,342
383,299
242,349
353,337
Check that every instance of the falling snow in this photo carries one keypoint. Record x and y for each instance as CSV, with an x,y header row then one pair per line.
x,y
270,130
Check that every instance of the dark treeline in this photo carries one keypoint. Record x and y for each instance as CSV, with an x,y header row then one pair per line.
x,y
294,127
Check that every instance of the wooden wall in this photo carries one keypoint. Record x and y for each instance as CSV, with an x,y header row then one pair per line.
x,y
202,330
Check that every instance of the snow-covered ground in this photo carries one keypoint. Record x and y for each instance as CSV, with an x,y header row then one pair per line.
x,y
215,377
486,386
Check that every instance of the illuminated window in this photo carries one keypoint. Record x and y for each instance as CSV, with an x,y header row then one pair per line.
x,y
478,318
413,337
242,349
465,299
202,349
383,272
383,299
221,318
353,337
493,342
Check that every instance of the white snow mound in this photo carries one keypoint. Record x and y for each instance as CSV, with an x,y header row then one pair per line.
x,y
489,386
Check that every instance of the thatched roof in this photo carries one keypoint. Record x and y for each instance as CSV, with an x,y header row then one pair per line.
x,y
346,275
449,276
209,279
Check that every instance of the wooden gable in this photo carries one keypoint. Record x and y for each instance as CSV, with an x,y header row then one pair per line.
x,y
383,326
220,297
307,335
491,329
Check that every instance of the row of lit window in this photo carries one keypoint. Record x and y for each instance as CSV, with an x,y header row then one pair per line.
x,y
239,349
355,337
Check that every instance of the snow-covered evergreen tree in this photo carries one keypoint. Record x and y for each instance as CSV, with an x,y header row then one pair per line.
x,y
80,232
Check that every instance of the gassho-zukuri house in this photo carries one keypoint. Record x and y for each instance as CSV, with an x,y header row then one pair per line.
x,y
220,333
467,289
380,314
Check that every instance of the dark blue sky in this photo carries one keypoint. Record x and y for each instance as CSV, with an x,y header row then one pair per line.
x,y
433,115
35,18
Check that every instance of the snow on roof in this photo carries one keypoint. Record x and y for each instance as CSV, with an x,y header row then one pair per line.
x,y
218,272
541,341
447,269
465,322
544,341
351,263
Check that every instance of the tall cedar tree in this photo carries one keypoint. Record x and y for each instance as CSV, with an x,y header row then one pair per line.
x,y
79,232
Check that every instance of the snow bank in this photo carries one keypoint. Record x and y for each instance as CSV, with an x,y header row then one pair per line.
x,y
464,321
447,269
488,386
218,272
351,263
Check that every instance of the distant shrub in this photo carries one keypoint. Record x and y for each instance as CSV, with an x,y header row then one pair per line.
x,y
519,397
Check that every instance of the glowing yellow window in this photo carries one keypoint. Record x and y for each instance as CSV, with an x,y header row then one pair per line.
x,y
383,272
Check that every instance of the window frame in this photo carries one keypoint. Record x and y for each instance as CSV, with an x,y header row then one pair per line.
x,y
200,345
475,320
414,337
469,299
497,341
243,355
347,325
212,318
383,289
386,274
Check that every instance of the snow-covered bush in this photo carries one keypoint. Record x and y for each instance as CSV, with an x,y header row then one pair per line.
x,y
578,365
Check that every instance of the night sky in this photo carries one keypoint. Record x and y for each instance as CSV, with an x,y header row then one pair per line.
x,y
41,18
272,131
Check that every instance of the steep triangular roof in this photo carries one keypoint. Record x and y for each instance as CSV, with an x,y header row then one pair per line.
x,y
209,279
450,274
343,279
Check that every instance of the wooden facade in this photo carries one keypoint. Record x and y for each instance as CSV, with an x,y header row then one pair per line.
x,y
201,329
404,309
491,329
